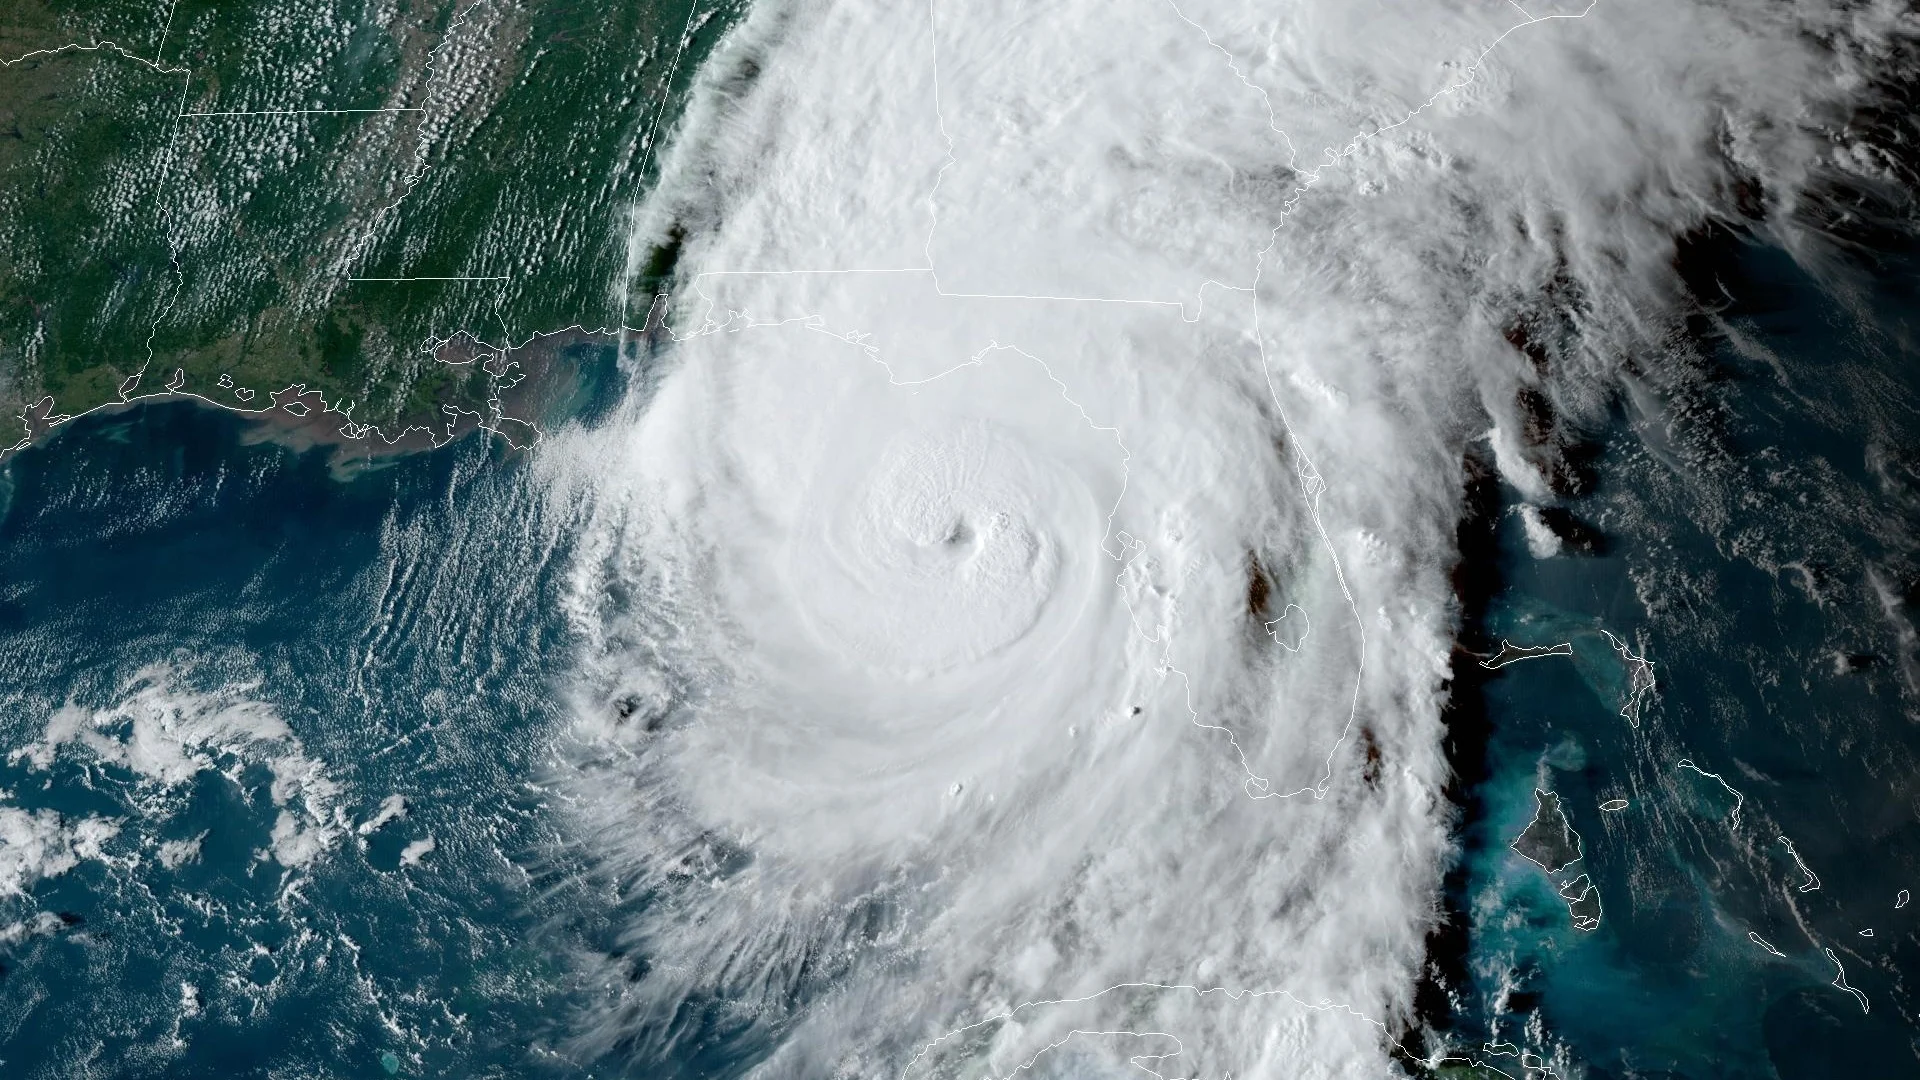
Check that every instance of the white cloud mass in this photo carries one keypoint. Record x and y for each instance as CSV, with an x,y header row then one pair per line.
x,y
1027,361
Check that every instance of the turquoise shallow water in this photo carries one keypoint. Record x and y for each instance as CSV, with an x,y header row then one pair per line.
x,y
1760,551
400,628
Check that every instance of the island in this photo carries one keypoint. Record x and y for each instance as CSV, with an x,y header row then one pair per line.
x,y
1550,843
1512,654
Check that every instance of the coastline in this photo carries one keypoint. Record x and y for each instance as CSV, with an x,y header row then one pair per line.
x,y
534,386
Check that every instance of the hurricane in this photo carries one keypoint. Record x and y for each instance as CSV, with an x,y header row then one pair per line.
x,y
1016,603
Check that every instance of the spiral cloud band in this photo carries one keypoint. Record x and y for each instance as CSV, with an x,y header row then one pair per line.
x,y
1018,603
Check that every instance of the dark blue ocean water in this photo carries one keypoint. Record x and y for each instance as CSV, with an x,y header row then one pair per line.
x,y
394,632
1762,550
398,625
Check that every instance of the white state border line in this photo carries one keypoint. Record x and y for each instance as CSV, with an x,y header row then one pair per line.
x,y
301,112
1312,484
493,424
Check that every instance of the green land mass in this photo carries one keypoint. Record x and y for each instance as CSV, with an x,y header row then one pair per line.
x,y
185,204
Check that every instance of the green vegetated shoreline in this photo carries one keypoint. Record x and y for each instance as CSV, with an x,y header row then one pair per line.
x,y
365,230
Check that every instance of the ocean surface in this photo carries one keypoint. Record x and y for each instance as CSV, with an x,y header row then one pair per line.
x,y
1749,823
257,640
276,735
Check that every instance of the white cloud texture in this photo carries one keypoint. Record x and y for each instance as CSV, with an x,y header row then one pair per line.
x,y
165,735
1029,363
